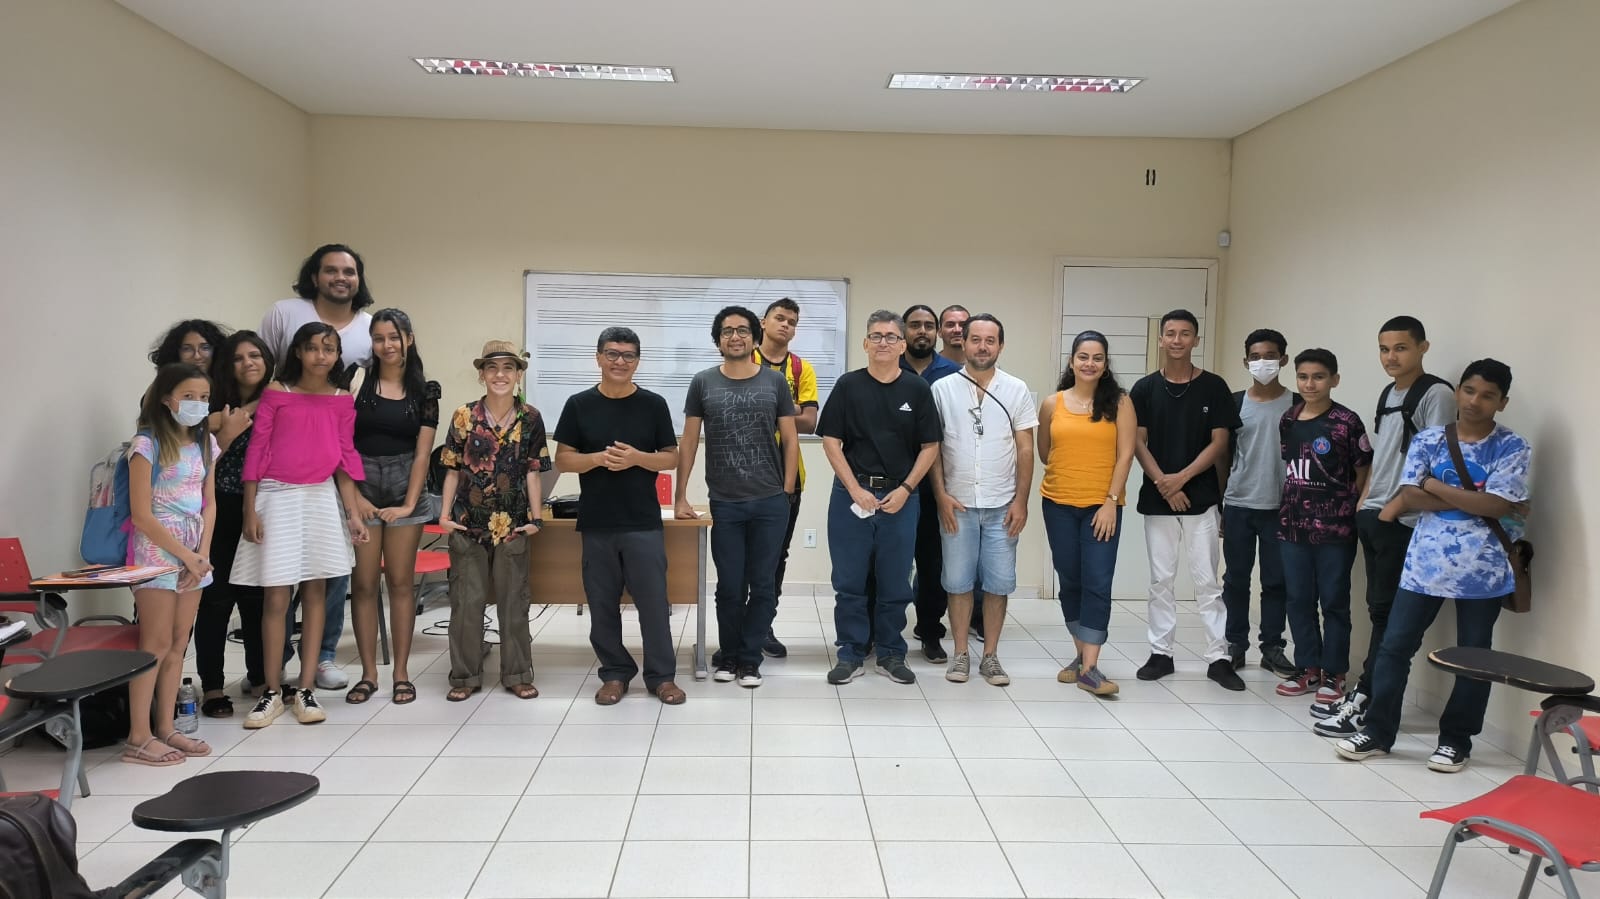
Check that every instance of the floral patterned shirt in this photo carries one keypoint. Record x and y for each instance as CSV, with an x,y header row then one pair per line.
x,y
492,490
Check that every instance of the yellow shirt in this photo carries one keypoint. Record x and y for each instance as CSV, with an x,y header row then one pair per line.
x,y
802,380
1083,454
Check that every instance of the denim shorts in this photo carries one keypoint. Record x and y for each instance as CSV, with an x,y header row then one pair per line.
x,y
388,479
980,540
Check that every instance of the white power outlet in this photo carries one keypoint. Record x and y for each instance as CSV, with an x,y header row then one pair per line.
x,y
811,538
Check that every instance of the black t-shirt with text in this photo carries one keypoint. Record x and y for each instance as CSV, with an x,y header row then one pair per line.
x,y
591,421
1179,419
882,426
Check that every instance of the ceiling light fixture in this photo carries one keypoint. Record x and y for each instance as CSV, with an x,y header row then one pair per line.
x,y
1057,84
574,71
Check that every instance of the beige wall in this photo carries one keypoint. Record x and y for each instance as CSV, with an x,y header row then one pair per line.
x,y
449,214
142,183
1460,185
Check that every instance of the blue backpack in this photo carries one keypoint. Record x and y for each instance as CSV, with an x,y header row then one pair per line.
x,y
108,522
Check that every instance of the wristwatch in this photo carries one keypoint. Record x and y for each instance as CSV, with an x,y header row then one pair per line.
x,y
1113,498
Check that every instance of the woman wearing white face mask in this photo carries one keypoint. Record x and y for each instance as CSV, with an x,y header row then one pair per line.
x,y
173,505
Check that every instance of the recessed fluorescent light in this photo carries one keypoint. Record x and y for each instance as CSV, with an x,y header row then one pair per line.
x,y
1060,84
577,71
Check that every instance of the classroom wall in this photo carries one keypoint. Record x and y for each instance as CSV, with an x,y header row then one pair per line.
x,y
1459,185
448,215
143,183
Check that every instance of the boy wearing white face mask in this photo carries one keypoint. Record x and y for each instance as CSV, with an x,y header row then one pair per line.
x,y
1253,488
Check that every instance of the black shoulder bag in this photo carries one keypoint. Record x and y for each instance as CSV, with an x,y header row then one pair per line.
x,y
1519,552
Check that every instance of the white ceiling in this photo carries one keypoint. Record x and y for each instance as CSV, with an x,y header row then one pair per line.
x,y
1214,69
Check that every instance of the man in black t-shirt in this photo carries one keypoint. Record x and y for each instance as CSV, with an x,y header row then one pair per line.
x,y
1185,417
881,434
616,436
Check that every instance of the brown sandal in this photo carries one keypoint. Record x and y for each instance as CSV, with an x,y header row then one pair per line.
x,y
610,692
669,693
361,692
523,691
460,694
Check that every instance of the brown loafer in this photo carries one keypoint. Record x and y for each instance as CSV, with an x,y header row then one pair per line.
x,y
610,692
669,693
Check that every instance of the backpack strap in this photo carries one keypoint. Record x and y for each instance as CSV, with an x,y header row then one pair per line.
x,y
1383,407
794,371
1460,462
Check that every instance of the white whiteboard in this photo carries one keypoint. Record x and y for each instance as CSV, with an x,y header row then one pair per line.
x,y
672,314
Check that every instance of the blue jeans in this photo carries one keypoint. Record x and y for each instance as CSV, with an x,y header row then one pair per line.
x,y
1318,576
884,544
1242,531
1408,621
979,555
746,542
1084,566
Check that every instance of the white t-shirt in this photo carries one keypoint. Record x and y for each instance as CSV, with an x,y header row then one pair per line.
x,y
286,317
980,471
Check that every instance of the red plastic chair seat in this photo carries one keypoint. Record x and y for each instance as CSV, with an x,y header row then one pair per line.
x,y
109,636
1566,816
1590,726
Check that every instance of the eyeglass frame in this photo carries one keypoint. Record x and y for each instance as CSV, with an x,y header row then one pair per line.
x,y
885,337
628,356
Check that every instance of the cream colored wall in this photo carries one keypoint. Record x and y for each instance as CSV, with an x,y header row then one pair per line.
x,y
1460,185
448,215
142,182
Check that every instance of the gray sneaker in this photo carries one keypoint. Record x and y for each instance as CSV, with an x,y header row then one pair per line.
x,y
960,668
894,668
1069,674
1092,681
844,672
992,672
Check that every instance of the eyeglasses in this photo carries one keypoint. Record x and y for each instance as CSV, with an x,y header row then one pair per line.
x,y
890,339
977,419
620,356
189,351
740,331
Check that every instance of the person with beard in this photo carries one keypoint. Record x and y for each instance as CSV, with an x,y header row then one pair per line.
x,y
750,477
980,486
332,288
951,323
922,336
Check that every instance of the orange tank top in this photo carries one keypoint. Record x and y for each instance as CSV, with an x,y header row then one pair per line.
x,y
1083,454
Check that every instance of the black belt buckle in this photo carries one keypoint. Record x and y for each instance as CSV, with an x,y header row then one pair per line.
x,y
877,482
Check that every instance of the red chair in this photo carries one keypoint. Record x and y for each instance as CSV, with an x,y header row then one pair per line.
x,y
54,635
1585,734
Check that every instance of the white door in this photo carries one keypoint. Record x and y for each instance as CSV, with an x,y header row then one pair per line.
x,y
1125,303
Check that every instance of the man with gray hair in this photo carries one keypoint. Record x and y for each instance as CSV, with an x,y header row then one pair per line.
x,y
881,433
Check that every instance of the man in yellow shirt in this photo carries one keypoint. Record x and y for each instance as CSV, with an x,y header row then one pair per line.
x,y
778,327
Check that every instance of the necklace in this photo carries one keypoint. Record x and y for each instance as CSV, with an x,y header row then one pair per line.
x,y
1167,385
1077,406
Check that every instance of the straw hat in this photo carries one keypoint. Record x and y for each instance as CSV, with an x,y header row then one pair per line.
x,y
501,349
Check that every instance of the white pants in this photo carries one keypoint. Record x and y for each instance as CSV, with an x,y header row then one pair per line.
x,y
1198,536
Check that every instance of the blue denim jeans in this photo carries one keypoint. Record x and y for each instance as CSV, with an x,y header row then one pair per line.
x,y
979,554
746,542
884,544
1084,566
1243,530
1409,619
1318,577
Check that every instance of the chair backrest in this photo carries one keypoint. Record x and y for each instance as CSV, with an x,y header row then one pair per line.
x,y
14,574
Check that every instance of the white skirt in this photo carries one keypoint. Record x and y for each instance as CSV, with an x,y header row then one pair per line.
x,y
305,538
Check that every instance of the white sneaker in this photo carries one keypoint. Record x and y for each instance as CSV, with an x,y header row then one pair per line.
x,y
267,709
305,707
990,668
331,677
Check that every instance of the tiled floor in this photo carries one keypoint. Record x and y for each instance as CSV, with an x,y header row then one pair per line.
x,y
802,789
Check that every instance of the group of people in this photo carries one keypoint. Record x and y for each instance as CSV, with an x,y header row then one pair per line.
x,y
291,463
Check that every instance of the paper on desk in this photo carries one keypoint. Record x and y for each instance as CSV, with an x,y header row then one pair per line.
x,y
128,574
9,627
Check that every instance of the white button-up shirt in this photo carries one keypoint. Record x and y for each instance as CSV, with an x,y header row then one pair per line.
x,y
980,470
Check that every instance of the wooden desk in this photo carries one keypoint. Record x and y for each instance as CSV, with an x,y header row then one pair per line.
x,y
555,569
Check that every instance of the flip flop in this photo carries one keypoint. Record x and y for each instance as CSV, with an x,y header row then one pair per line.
x,y
196,748
141,755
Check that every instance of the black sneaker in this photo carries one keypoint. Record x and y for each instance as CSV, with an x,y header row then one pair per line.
x,y
1359,748
1155,668
1237,652
1447,759
933,652
749,676
726,671
844,672
894,668
1347,721
1274,660
1222,671
773,648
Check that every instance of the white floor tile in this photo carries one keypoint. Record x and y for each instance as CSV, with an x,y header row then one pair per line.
x,y
899,742
1260,716
804,775
1476,872
1270,822
484,776
667,869
570,870
1101,869
977,714
258,869
702,740
709,711
1018,777
696,775
1231,780
594,740
550,708
325,819
911,776
924,869
926,818
1190,745
1110,779
476,740
568,818
1158,716
678,817
398,739
815,869
423,870
1060,713
798,739
108,863
287,737
791,817
1038,819
1095,745
1350,780
611,776
1362,872
1424,785
1208,872
1185,821
1387,823
798,711
453,819
996,743
1274,747
888,712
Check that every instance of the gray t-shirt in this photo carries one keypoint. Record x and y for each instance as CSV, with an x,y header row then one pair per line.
x,y
738,418
1255,481
1437,408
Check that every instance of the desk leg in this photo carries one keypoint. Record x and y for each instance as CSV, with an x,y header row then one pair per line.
x,y
701,672
72,774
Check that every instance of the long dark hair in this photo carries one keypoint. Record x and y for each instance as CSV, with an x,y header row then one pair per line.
x,y
305,286
413,378
1107,392
293,368
156,417
225,388
165,352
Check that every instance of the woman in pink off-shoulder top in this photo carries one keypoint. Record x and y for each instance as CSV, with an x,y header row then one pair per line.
x,y
303,444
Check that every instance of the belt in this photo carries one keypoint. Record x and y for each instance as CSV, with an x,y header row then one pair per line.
x,y
877,482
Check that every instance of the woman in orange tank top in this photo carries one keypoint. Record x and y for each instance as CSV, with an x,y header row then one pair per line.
x,y
1086,434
